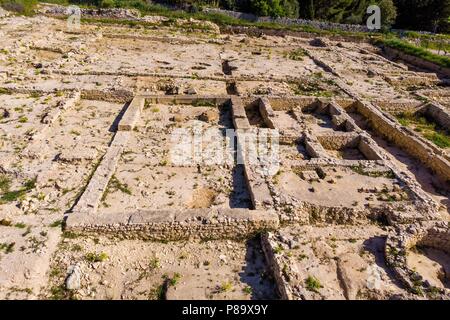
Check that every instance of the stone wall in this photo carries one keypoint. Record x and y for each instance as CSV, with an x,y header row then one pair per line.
x,y
439,114
283,286
428,154
339,140
119,96
116,13
341,119
322,25
419,62
399,106
286,103
174,225
370,149
266,111
436,237
431,234
132,114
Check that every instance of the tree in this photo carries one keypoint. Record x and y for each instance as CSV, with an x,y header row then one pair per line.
x,y
291,8
388,12
346,11
431,15
271,8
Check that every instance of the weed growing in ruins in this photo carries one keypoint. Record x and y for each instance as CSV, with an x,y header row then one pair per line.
x,y
20,225
23,119
10,196
310,89
278,249
5,183
157,293
226,286
96,257
76,248
7,247
417,51
154,263
61,293
23,7
74,132
417,287
439,139
428,129
115,185
175,279
69,235
36,244
247,290
433,292
313,284
302,256
15,289
276,177
56,272
296,54
56,224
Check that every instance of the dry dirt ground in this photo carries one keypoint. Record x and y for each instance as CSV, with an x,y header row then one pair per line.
x,y
63,93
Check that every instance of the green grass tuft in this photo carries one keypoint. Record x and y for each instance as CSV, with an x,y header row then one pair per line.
x,y
296,55
313,284
429,130
422,53
9,196
96,257
5,183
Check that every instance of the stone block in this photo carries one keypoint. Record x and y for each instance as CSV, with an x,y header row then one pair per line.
x,y
310,175
152,216
241,123
132,114
237,108
77,155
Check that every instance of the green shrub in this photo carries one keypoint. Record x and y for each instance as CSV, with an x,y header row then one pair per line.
x,y
96,257
107,3
313,284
